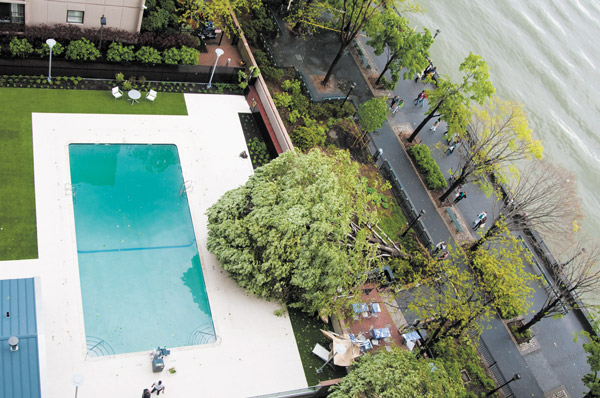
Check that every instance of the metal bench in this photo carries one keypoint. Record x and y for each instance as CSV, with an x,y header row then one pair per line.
x,y
362,55
454,219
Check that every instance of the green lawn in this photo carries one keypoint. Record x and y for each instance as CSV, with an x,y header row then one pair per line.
x,y
18,237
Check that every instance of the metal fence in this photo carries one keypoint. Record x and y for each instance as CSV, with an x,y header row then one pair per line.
x,y
406,205
492,365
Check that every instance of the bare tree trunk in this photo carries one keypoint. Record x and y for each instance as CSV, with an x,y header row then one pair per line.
x,y
385,68
453,186
541,314
429,116
334,63
493,231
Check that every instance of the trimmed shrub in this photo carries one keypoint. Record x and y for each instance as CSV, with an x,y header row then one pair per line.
x,y
189,56
148,55
44,51
20,48
171,56
117,52
82,50
308,136
165,41
428,167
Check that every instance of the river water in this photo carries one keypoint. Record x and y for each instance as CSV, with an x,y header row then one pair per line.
x,y
540,53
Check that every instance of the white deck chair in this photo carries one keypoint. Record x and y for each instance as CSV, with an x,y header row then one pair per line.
x,y
117,93
323,353
151,96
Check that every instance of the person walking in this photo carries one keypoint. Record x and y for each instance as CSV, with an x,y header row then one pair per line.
x,y
158,387
480,217
439,247
450,149
146,393
423,98
435,125
481,223
394,101
460,196
398,105
421,94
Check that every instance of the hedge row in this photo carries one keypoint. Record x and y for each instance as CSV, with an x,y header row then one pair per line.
x,y
428,167
85,50
37,34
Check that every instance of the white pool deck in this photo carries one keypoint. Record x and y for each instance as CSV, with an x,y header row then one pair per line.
x,y
255,353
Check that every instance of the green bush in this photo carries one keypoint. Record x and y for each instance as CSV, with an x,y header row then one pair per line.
x,y
148,55
189,56
117,52
282,100
428,167
20,48
308,136
258,152
82,50
171,56
44,51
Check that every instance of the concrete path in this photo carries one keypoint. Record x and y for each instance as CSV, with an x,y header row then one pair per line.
x,y
556,364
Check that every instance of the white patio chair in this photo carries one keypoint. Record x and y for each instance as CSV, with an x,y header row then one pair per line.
x,y
117,93
151,96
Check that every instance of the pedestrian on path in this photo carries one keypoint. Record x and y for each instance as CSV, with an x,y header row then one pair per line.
x,y
450,149
481,223
394,101
419,97
460,196
479,218
146,393
435,125
158,387
439,247
423,98
399,105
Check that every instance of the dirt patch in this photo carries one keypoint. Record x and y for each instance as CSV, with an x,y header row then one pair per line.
x,y
331,86
344,139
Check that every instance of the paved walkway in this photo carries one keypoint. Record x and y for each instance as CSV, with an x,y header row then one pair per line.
x,y
557,363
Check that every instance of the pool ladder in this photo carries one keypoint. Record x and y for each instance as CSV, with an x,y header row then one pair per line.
x,y
71,191
186,187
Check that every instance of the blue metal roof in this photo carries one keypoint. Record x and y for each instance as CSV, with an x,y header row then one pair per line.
x,y
19,370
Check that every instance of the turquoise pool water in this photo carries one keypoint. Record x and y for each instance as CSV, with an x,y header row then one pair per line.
x,y
141,280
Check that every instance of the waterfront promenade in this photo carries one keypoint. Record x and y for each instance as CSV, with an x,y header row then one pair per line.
x,y
553,367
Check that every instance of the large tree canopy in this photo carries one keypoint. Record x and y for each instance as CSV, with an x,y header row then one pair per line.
x,y
288,234
397,374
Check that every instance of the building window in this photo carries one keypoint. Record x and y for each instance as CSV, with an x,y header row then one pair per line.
x,y
74,16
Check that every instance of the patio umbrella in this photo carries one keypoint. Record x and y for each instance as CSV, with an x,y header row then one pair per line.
x,y
344,350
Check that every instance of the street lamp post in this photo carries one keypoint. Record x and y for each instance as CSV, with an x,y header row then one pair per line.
x,y
421,213
102,23
437,32
219,53
77,380
347,95
50,43
515,377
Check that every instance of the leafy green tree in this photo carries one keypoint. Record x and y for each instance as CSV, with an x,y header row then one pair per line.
x,y
404,48
159,15
592,347
398,374
218,11
308,136
287,233
354,16
457,298
303,13
452,101
499,137
372,114
82,50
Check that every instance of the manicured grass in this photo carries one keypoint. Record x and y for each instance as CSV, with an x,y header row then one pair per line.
x,y
307,333
18,237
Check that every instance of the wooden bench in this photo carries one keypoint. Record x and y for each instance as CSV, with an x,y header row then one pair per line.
x,y
454,219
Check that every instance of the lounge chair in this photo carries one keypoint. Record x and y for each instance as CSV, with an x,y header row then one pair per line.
x,y
117,93
151,96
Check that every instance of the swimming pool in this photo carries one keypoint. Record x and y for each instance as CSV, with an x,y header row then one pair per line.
x,y
141,279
